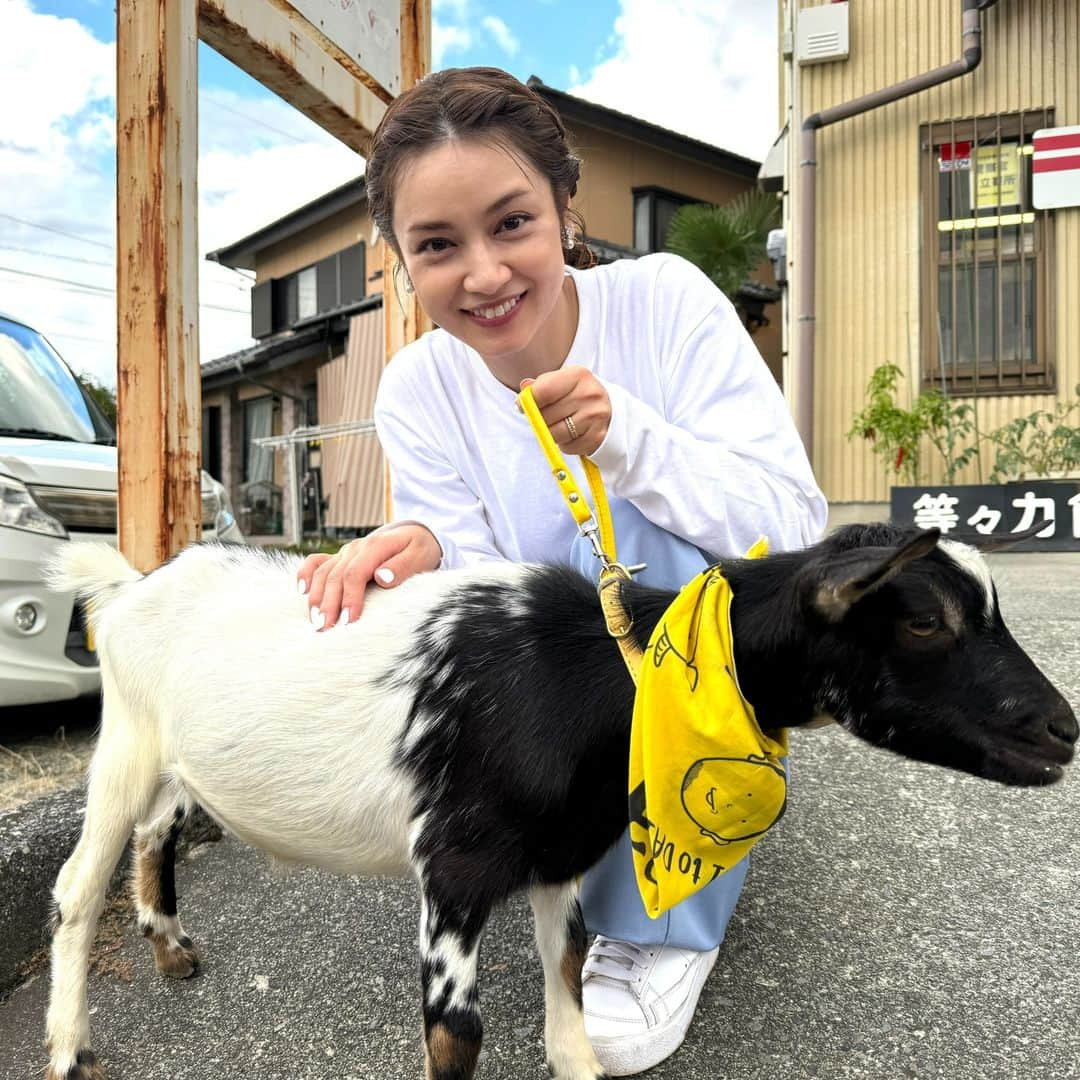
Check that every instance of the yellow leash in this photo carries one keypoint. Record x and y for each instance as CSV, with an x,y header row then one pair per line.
x,y
597,529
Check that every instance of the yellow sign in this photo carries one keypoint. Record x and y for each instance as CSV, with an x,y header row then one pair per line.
x,y
996,177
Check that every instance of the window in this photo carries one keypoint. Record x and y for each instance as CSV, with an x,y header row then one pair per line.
x,y
332,283
653,210
258,423
306,293
211,440
986,266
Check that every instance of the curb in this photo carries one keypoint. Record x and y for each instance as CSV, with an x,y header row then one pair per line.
x,y
35,841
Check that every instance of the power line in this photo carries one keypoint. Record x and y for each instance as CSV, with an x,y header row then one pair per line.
x,y
108,247
80,337
103,289
253,120
51,255
59,232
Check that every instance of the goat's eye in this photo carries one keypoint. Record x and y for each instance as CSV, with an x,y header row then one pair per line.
x,y
923,625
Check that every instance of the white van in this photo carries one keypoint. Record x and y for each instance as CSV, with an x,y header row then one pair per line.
x,y
57,483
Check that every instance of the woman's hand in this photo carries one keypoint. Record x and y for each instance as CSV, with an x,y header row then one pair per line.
x,y
335,584
574,394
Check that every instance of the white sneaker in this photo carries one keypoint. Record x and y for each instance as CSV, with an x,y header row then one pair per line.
x,y
639,1001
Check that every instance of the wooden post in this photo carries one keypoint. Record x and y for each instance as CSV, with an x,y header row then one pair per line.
x,y
158,389
403,317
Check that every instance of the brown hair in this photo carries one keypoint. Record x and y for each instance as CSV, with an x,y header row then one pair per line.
x,y
480,103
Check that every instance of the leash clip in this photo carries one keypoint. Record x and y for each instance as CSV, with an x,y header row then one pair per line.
x,y
591,531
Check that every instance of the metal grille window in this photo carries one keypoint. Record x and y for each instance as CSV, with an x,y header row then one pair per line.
x,y
986,263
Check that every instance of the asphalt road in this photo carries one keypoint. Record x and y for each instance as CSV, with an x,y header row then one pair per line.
x,y
901,922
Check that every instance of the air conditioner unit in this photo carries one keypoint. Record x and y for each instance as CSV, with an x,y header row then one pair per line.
x,y
822,34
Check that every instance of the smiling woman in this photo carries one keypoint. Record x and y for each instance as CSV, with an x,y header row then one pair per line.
x,y
642,366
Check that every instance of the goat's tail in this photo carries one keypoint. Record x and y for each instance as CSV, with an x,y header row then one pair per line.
x,y
93,572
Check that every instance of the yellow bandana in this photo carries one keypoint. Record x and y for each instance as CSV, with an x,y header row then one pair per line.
x,y
705,781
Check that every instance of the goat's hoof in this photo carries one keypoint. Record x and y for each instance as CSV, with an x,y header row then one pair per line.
x,y
177,960
86,1067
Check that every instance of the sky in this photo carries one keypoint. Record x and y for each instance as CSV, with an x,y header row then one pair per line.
x,y
707,68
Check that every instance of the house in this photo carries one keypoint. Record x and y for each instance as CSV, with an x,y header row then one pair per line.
x,y
316,315
933,250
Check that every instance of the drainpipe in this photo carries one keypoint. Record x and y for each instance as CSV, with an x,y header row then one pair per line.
x,y
805,265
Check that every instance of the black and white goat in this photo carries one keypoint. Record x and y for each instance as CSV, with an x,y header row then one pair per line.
x,y
473,728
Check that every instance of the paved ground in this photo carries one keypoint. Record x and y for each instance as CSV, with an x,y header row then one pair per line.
x,y
902,922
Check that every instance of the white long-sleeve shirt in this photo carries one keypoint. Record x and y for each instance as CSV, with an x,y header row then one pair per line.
x,y
700,440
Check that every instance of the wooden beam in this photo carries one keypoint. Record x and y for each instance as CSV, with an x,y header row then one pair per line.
x,y
259,39
158,392
404,319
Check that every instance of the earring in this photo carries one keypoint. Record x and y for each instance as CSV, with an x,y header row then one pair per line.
x,y
409,290
569,239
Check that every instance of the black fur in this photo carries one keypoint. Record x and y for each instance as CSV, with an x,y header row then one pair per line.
x,y
525,708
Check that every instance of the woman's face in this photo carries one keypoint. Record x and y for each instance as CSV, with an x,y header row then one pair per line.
x,y
481,239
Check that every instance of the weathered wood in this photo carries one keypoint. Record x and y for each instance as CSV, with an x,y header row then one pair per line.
x,y
158,389
257,37
405,319
361,35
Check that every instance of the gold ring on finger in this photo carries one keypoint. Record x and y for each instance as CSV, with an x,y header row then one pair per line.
x,y
571,427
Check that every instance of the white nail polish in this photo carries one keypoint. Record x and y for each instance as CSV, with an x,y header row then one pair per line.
x,y
343,618
385,575
318,619
301,587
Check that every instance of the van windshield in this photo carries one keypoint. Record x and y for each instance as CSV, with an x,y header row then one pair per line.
x,y
39,397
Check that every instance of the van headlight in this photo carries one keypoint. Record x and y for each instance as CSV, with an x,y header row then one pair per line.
x,y
18,510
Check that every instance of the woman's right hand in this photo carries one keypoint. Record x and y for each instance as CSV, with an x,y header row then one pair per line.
x,y
335,584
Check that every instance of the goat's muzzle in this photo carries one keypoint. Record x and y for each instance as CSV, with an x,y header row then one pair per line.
x,y
1040,754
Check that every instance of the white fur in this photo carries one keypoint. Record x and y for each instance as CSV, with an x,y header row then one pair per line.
x,y
305,772
971,561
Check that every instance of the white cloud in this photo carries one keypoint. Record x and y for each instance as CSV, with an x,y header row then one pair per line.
x,y
259,159
445,39
450,30
502,34
706,68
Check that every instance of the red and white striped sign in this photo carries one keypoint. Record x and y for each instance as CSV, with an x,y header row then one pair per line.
x,y
1055,168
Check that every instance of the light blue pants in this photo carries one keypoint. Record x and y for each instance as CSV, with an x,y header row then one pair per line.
x,y
610,900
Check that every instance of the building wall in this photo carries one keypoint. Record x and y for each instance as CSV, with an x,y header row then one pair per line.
x,y
614,165
868,215
317,242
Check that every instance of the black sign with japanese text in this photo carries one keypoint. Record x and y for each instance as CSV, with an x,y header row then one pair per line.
x,y
970,511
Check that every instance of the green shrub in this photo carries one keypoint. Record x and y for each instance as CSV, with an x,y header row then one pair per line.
x,y
896,433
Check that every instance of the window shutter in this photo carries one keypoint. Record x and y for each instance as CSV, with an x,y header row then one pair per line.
x,y
352,273
262,313
326,271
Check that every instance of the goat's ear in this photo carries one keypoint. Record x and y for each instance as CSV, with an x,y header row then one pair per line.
x,y
850,575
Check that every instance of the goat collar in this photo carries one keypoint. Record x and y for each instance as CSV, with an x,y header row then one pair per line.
x,y
618,619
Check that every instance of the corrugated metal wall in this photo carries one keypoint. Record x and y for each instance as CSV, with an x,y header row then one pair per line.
x,y
353,467
868,201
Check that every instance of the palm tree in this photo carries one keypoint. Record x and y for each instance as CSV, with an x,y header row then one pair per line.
x,y
726,242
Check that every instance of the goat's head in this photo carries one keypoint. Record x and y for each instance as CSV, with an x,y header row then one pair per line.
x,y
911,653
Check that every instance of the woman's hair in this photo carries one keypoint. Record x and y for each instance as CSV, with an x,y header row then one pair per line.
x,y
479,103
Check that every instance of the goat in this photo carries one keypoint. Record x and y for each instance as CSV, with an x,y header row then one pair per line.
x,y
473,728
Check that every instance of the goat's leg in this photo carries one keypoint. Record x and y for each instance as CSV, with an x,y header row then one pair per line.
x,y
561,940
123,782
449,952
154,892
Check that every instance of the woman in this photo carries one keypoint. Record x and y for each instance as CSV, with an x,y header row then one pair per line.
x,y
643,366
